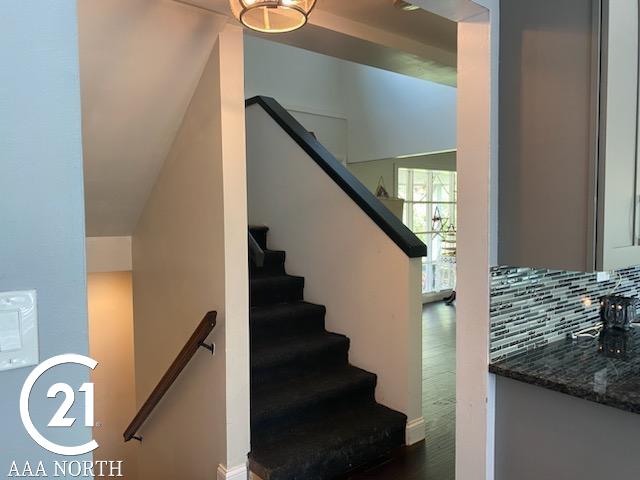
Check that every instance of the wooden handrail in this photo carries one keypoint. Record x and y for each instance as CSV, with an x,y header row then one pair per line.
x,y
196,341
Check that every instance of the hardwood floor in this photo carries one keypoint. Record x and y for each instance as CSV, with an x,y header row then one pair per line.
x,y
439,389
435,458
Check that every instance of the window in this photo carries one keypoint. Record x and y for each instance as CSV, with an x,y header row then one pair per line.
x,y
430,212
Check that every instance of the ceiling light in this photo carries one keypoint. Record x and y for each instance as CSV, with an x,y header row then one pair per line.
x,y
406,6
272,16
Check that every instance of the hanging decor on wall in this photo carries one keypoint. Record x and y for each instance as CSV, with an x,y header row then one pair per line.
x,y
394,204
272,16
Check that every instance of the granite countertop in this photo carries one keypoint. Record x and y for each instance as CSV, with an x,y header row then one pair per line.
x,y
605,370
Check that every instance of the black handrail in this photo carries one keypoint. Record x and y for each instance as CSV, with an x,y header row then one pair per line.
x,y
408,242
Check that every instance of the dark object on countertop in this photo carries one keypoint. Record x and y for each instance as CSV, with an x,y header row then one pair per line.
x,y
614,343
618,312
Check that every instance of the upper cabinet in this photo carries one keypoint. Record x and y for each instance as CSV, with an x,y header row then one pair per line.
x,y
569,150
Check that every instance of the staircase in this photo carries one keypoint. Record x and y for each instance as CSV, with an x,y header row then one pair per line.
x,y
313,415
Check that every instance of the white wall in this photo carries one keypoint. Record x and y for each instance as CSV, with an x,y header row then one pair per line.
x,y
477,240
108,254
293,76
190,257
388,114
370,287
42,210
111,344
110,304
392,115
369,173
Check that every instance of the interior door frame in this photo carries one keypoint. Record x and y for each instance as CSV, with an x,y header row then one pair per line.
x,y
477,166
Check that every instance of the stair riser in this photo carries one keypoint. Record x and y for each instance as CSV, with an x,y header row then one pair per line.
x,y
273,265
273,328
329,358
270,296
266,270
339,462
321,406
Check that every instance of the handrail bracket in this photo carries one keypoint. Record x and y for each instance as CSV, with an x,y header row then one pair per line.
x,y
209,346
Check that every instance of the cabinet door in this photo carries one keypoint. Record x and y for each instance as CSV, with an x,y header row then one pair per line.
x,y
618,232
549,84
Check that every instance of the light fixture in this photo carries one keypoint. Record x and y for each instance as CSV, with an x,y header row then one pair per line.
x,y
272,16
406,6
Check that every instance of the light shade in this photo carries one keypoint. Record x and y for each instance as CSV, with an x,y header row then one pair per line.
x,y
272,16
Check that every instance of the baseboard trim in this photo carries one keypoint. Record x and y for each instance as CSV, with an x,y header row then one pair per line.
x,y
235,473
415,431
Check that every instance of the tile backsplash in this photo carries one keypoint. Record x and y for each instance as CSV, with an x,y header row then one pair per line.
x,y
533,307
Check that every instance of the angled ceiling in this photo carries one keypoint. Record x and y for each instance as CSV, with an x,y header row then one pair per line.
x,y
419,25
140,61
374,32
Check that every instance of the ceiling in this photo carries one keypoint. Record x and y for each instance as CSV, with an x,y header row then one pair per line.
x,y
418,25
140,61
374,32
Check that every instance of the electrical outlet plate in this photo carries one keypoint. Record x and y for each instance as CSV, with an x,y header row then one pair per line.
x,y
18,330
603,276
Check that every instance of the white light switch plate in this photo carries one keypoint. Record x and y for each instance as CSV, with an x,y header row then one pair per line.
x,y
10,337
18,330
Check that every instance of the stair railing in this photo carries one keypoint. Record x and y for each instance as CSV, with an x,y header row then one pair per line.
x,y
367,201
255,252
196,341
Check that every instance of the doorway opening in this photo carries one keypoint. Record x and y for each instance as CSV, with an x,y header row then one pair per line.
x,y
378,123
381,114
430,195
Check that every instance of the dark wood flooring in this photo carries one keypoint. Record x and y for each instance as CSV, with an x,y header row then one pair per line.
x,y
433,459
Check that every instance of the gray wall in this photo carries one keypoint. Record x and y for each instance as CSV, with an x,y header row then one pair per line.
x,y
388,114
369,173
541,434
546,158
41,206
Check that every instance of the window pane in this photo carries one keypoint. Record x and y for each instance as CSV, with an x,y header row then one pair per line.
x,y
433,220
421,220
403,175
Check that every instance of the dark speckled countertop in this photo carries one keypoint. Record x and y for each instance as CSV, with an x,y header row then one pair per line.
x,y
604,370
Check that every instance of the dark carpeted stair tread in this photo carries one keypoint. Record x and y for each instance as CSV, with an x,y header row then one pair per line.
x,y
273,264
276,289
259,232
299,350
313,416
285,319
326,447
296,396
